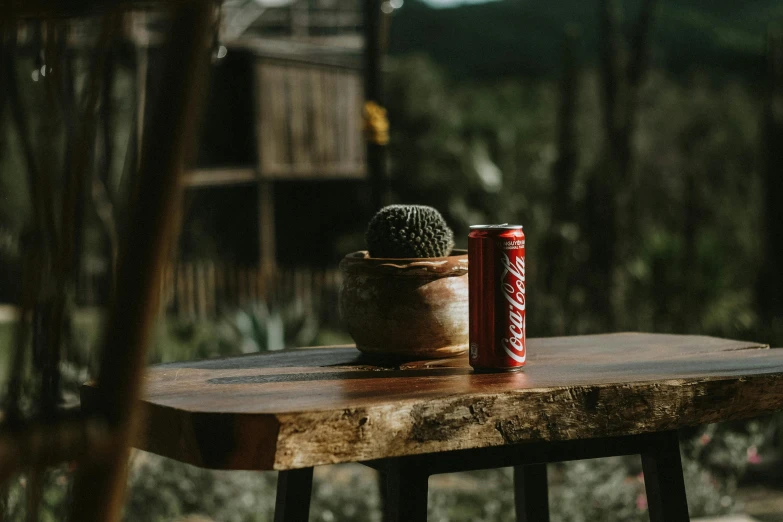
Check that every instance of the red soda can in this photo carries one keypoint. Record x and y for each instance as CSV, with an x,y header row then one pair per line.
x,y
496,294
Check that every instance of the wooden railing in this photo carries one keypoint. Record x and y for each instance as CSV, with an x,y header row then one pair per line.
x,y
206,289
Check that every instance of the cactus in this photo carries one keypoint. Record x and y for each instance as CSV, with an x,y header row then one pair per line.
x,y
406,231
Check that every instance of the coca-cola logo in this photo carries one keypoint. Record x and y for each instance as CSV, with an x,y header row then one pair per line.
x,y
512,283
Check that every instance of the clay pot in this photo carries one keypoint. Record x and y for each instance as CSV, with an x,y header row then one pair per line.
x,y
406,308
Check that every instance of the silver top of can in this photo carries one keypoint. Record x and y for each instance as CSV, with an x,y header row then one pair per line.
x,y
502,226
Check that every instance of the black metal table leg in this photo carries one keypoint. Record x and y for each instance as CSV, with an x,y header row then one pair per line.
x,y
531,493
406,477
382,492
663,480
294,488
406,492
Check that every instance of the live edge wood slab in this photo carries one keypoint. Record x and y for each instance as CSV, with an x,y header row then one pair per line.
x,y
302,408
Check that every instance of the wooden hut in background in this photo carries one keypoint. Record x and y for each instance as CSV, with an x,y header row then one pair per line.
x,y
285,105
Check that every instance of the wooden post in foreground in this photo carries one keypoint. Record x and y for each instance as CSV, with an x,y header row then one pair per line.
x,y
99,487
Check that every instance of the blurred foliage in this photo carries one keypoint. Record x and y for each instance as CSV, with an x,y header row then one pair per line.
x,y
270,328
54,502
258,327
162,489
484,153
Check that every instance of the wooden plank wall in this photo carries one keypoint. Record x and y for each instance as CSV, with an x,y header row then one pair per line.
x,y
309,121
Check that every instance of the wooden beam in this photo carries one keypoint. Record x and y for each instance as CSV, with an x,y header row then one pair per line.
x,y
265,190
315,52
219,177
142,77
373,56
40,9
300,172
266,227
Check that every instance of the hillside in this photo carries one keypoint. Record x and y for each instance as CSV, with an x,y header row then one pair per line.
x,y
511,37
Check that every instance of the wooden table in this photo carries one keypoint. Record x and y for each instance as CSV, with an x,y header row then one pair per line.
x,y
578,397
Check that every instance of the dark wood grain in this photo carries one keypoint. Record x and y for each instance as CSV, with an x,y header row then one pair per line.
x,y
302,408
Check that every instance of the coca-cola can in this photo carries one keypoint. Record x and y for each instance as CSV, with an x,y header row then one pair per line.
x,y
496,294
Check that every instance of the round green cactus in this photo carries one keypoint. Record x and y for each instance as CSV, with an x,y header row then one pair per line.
x,y
405,231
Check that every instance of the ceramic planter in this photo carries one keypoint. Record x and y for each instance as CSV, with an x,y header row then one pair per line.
x,y
406,308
